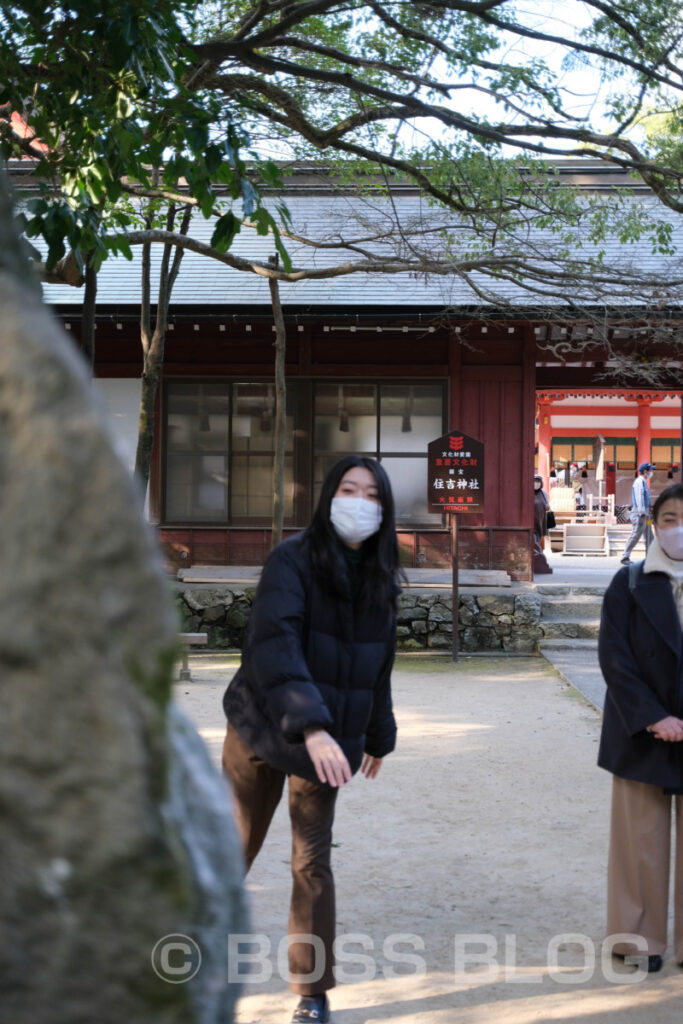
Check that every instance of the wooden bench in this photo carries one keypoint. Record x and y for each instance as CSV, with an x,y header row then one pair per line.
x,y
190,640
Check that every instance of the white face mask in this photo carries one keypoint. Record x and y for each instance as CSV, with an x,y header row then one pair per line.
x,y
671,542
355,519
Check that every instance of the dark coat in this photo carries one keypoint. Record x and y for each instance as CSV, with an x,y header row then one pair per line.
x,y
541,506
312,659
641,657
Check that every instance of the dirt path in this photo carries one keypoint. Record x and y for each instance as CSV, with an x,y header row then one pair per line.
x,y
483,838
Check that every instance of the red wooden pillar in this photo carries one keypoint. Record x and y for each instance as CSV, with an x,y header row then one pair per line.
x,y
455,382
644,439
494,400
544,443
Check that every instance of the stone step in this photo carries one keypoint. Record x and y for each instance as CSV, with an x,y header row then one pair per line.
x,y
557,629
568,643
617,537
567,589
570,608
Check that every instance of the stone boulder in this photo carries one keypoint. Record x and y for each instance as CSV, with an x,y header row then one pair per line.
x,y
115,830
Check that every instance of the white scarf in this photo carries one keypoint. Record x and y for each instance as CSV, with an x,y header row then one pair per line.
x,y
657,561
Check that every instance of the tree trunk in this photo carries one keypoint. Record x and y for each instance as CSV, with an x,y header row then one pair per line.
x,y
280,437
153,346
88,314
148,394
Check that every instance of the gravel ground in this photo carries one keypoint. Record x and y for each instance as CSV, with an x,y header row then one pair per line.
x,y
471,873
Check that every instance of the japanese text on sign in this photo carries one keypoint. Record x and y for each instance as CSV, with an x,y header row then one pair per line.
x,y
456,473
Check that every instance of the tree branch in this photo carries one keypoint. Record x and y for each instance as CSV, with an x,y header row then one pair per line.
x,y
567,272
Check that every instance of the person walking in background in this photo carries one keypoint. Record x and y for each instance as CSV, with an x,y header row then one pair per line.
x,y
311,700
541,506
641,656
640,511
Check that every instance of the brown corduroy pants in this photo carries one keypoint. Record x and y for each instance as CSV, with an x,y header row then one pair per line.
x,y
257,789
639,866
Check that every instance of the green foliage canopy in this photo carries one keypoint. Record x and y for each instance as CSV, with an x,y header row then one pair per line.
x,y
99,94
438,92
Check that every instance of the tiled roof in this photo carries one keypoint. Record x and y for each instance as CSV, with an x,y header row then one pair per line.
x,y
205,281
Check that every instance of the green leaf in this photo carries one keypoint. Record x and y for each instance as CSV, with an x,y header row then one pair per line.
x,y
279,245
207,202
262,220
119,243
213,159
224,231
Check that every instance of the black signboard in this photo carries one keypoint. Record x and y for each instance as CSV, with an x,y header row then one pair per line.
x,y
455,464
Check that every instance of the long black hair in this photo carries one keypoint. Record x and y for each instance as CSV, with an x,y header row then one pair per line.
x,y
381,571
673,491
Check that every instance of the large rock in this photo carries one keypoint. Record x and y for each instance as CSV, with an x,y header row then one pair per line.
x,y
527,609
496,604
410,613
200,598
115,830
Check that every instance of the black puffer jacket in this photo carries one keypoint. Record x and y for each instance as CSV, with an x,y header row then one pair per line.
x,y
312,659
641,657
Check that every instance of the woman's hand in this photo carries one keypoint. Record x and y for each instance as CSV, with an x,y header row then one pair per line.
x,y
669,729
328,757
370,766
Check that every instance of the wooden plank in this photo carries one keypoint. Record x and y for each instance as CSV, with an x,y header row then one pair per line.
x,y
194,639
242,582
484,578
493,373
468,578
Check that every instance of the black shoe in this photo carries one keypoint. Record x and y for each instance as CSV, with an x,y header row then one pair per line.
x,y
654,962
625,561
312,1010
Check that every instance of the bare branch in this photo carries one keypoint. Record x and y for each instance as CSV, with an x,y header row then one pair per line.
x,y
305,46
67,271
597,51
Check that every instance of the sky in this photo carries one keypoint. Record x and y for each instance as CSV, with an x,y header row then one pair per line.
x,y
585,94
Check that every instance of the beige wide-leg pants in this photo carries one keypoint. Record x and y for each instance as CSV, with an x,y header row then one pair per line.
x,y
639,866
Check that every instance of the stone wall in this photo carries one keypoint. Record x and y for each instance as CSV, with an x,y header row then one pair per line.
x,y
488,621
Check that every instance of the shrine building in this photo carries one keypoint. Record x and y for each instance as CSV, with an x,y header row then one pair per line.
x,y
381,365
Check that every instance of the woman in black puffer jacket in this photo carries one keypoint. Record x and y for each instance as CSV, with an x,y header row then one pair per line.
x,y
312,698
